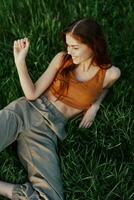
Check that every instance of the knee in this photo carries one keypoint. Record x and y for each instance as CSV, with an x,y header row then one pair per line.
x,y
10,121
19,107
14,105
10,126
7,116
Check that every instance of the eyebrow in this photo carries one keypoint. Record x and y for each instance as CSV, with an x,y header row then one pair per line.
x,y
73,45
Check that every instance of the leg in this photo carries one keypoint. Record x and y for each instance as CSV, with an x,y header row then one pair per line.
x,y
14,119
10,126
38,153
37,149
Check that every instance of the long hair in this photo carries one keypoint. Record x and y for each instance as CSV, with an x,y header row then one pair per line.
x,y
89,32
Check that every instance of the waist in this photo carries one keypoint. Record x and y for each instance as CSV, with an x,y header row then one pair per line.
x,y
66,110
52,107
53,118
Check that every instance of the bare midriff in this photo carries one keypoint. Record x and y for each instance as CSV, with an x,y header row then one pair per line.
x,y
67,111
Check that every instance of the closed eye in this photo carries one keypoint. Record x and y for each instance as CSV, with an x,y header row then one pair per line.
x,y
73,46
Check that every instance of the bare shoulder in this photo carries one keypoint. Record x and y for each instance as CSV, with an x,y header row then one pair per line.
x,y
60,54
57,60
112,74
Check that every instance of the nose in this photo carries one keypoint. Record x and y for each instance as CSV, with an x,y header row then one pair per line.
x,y
70,51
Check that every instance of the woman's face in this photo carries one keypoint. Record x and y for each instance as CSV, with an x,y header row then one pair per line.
x,y
79,52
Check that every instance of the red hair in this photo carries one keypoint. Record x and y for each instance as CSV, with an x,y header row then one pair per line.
x,y
89,32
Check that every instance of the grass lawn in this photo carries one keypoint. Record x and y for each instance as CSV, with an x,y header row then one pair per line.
x,y
96,163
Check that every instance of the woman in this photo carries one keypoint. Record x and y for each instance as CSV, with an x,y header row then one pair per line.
x,y
74,83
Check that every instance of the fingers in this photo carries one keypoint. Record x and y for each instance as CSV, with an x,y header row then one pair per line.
x,y
88,124
21,43
85,124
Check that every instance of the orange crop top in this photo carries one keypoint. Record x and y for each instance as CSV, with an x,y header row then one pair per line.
x,y
80,95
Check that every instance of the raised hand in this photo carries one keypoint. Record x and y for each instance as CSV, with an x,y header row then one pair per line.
x,y
20,50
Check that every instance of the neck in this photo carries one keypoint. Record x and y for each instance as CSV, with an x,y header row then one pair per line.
x,y
85,66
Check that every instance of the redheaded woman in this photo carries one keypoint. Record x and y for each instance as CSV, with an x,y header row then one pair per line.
x,y
75,83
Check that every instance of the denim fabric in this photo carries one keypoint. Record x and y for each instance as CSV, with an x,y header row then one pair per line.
x,y
37,126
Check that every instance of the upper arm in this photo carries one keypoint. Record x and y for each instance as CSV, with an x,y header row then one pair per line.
x,y
48,76
112,75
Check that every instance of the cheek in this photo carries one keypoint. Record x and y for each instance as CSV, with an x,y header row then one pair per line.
x,y
84,55
87,52
79,53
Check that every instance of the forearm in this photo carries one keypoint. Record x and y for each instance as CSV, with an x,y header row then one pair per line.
x,y
25,80
90,114
97,103
102,96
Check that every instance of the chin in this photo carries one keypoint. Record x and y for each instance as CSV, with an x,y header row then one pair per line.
x,y
75,62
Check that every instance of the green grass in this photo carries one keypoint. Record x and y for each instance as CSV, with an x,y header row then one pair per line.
x,y
97,163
